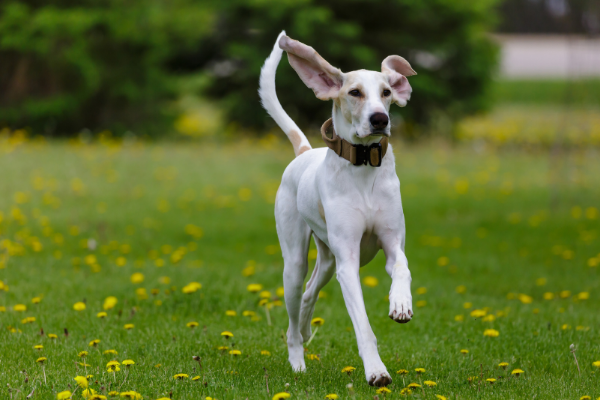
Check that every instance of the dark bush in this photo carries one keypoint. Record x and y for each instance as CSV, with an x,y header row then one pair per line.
x,y
67,65
446,42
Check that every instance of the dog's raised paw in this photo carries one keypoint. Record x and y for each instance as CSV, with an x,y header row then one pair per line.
x,y
380,379
401,311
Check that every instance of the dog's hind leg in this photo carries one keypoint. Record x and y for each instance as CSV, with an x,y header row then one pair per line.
x,y
324,269
294,238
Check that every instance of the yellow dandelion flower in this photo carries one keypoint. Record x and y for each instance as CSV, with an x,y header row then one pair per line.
x,y
41,360
101,314
420,370
248,313
36,300
113,366
503,365
348,370
28,320
83,354
464,351
430,383
491,380
421,303
370,281
52,336
65,395
132,395
192,287
459,318
196,378
265,294
383,391
254,287
89,394
94,342
281,396
129,326
596,364
20,307
128,363
478,313
332,396
113,393
314,357
491,333
79,306
38,347
265,353
280,292
230,313
585,398
517,372
405,392
461,289
110,351
222,348
191,324
136,278
227,334
317,322
413,385
109,302
440,397
181,376
81,381
402,372
422,290
235,353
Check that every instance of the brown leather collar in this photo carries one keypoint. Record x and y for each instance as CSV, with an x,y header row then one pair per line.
x,y
357,154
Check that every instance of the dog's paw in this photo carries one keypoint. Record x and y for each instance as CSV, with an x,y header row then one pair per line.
x,y
296,357
379,378
401,308
298,364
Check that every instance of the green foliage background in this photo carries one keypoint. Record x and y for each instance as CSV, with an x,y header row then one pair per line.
x,y
118,64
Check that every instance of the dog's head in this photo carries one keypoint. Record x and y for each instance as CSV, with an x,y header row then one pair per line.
x,y
361,98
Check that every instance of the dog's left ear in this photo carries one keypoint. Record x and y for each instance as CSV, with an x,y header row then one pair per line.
x,y
397,69
316,73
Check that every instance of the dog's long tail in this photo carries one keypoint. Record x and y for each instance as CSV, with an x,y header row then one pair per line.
x,y
270,102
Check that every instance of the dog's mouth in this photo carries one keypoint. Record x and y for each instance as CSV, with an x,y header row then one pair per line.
x,y
379,133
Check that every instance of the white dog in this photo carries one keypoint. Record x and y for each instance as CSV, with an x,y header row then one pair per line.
x,y
346,196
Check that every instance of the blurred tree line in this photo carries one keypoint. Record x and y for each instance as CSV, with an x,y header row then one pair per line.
x,y
66,65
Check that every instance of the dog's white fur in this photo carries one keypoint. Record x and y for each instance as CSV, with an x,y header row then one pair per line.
x,y
351,211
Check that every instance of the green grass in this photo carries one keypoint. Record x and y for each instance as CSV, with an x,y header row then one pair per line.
x,y
582,92
502,219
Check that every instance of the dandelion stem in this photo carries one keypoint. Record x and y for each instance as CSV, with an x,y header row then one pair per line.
x,y
312,336
268,315
44,371
573,350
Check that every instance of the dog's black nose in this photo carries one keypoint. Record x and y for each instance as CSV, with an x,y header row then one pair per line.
x,y
379,120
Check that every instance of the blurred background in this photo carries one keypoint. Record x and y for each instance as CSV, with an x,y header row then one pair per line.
x,y
499,71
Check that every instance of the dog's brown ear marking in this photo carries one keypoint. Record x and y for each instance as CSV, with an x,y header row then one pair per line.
x,y
397,69
316,73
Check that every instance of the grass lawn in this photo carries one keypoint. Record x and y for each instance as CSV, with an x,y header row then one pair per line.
x,y
508,241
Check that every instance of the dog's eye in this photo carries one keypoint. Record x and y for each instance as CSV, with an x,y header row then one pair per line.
x,y
354,93
386,93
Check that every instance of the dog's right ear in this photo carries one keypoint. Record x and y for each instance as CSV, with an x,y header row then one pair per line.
x,y
316,73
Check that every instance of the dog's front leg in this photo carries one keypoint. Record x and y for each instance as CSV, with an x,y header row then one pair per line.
x,y
400,295
347,275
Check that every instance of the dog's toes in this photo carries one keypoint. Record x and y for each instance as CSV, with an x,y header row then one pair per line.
x,y
401,311
381,379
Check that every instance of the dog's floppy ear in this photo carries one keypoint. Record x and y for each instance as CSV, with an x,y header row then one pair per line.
x,y
316,73
397,69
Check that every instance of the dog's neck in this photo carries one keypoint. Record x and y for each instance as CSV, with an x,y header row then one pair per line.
x,y
345,129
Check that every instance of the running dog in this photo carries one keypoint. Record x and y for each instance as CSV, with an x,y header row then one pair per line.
x,y
346,195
